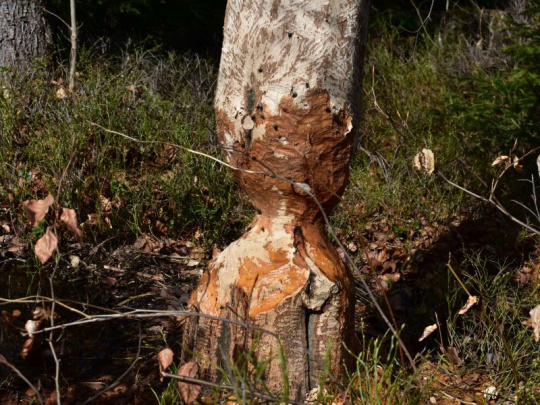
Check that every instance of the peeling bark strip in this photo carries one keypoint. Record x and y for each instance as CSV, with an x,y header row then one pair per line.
x,y
24,33
287,101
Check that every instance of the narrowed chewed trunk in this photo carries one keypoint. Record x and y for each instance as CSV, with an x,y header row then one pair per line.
x,y
287,104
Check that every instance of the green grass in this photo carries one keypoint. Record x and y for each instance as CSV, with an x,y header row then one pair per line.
x,y
149,186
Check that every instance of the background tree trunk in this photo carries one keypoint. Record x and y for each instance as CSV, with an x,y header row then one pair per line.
x,y
24,32
287,101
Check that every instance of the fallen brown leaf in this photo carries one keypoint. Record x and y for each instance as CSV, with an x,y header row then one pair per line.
x,y
69,217
189,392
46,245
9,317
165,359
36,210
27,346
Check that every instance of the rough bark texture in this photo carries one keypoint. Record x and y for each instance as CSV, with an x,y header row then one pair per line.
x,y
24,33
287,102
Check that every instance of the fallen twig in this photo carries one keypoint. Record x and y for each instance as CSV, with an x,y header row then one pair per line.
x,y
117,381
6,363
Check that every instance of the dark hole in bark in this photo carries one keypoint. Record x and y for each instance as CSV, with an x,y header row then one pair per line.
x,y
260,70
294,95
327,109
290,34
275,127
307,85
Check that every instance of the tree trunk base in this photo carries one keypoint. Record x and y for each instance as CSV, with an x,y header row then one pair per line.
x,y
283,277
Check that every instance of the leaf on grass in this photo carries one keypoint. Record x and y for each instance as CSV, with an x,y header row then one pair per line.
x,y
165,358
189,392
37,209
428,331
470,302
46,245
69,217
61,93
500,159
425,161
534,321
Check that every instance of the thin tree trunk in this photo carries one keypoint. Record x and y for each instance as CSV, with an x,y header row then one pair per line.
x,y
24,33
73,38
287,103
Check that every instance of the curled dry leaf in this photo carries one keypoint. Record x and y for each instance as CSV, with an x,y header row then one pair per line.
x,y
27,346
9,317
42,314
165,358
425,161
189,392
428,331
74,261
61,93
500,159
36,210
69,217
31,327
46,245
470,302
534,321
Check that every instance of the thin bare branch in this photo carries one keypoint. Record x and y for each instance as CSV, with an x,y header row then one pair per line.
x,y
6,363
196,152
492,201
119,379
255,394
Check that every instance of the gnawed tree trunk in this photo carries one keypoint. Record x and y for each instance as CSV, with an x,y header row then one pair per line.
x,y
287,103
24,33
